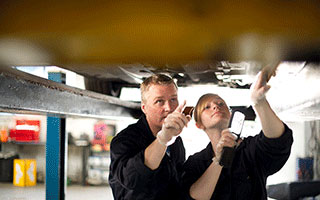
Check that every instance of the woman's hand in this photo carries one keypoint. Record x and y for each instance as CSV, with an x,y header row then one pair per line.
x,y
227,139
259,88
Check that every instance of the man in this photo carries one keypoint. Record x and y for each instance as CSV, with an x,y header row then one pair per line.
x,y
144,163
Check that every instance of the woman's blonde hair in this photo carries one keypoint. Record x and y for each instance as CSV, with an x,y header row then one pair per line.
x,y
201,104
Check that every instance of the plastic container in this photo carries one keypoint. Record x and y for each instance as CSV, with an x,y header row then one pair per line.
x,y
6,166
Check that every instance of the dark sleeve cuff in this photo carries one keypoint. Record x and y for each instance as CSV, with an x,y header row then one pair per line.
x,y
141,168
282,142
273,153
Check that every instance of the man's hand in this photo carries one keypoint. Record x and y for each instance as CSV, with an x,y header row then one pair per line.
x,y
173,125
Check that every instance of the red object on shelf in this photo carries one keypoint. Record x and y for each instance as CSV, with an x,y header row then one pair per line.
x,y
99,134
99,142
26,131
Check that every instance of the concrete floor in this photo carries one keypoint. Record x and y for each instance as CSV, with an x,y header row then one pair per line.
x,y
73,192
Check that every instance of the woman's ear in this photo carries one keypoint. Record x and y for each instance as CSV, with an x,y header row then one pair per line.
x,y
199,125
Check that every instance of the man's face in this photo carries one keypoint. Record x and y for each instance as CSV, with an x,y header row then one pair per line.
x,y
215,114
160,100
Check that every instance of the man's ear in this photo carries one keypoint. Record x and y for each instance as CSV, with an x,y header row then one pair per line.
x,y
143,107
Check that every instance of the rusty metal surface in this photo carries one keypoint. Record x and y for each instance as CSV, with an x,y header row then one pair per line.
x,y
25,93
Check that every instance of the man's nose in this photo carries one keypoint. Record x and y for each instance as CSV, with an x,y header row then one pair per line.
x,y
167,106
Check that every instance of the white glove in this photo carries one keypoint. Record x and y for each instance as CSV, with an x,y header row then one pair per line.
x,y
164,139
172,126
259,88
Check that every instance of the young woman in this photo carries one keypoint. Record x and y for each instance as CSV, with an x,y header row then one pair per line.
x,y
255,158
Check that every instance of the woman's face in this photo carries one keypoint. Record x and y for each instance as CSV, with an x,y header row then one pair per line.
x,y
215,114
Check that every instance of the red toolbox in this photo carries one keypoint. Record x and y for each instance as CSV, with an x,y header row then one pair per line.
x,y
26,131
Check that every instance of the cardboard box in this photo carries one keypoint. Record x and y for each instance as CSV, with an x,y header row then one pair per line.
x,y
25,172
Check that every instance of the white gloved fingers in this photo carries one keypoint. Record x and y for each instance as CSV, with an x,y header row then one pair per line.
x,y
259,89
172,125
180,108
179,118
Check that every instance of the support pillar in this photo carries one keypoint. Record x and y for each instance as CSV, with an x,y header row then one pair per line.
x,y
56,152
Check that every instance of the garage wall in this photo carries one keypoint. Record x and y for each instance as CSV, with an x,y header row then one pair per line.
x,y
300,149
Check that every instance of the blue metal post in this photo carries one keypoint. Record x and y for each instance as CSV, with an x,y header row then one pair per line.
x,y
56,152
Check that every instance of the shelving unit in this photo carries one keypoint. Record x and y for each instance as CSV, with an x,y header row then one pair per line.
x,y
23,93
98,168
23,149
24,143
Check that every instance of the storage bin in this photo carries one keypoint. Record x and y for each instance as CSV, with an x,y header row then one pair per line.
x,y
6,166
25,172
